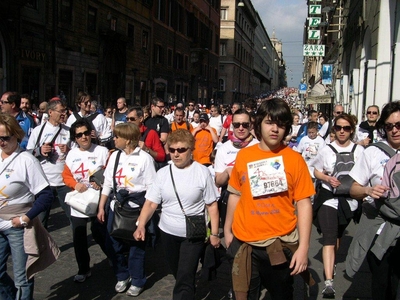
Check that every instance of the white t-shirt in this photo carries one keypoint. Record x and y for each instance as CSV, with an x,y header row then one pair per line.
x,y
323,129
194,124
325,162
216,123
84,164
135,172
54,168
103,130
309,148
195,188
226,155
21,178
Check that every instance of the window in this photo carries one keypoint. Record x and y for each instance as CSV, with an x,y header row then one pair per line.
x,y
221,84
222,49
158,54
169,57
161,10
92,19
178,61
131,35
113,24
224,14
66,11
186,63
145,39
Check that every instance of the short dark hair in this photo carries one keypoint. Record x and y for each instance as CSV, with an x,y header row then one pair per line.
x,y
14,97
138,109
82,122
349,119
241,111
26,96
387,110
155,100
278,111
179,109
312,125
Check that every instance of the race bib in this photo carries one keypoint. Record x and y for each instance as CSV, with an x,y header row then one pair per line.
x,y
267,176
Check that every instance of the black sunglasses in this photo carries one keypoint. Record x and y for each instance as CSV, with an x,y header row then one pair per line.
x,y
345,128
132,119
80,134
372,112
338,112
390,126
180,150
5,138
244,124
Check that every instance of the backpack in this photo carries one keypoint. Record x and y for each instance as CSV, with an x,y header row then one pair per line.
x,y
343,166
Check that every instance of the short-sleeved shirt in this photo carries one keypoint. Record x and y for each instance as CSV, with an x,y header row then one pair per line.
x,y
203,146
195,188
158,123
308,148
264,217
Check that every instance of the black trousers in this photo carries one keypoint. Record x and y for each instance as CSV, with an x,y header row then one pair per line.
x,y
183,258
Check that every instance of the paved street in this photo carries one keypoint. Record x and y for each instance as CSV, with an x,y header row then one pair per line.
x,y
56,282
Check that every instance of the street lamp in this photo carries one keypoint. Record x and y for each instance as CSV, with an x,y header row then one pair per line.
x,y
241,4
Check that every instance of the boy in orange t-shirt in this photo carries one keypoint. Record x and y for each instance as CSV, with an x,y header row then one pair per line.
x,y
268,183
205,136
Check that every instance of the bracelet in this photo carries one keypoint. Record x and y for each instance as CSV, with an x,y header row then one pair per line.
x,y
217,235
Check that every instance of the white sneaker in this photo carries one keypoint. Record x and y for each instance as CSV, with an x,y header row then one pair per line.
x,y
328,291
134,291
82,277
122,285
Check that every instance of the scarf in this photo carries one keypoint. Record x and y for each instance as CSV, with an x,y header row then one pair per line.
x,y
237,143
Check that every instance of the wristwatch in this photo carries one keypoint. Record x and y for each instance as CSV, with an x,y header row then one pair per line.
x,y
23,223
217,235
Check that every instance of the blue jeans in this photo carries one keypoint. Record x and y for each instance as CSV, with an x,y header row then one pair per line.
x,y
12,242
134,266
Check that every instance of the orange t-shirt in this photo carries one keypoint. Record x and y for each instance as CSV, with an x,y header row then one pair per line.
x,y
184,125
203,146
264,217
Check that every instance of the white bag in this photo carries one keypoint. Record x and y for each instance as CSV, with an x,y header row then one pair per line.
x,y
86,202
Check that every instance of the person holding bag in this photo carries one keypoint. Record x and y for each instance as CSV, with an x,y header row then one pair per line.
x,y
184,188
129,173
80,164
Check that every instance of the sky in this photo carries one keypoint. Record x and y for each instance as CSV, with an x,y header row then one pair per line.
x,y
287,17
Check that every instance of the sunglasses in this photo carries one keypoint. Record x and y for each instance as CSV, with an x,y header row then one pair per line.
x,y
180,150
390,126
132,119
86,103
4,102
5,138
339,112
109,112
80,134
160,106
244,124
345,128
191,104
372,112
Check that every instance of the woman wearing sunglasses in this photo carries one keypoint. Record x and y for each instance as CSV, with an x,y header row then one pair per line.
x,y
374,232
131,172
196,190
334,211
80,164
25,192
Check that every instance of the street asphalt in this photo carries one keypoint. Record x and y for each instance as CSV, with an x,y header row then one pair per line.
x,y
56,282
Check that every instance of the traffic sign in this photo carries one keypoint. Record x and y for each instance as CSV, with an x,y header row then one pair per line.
x,y
302,88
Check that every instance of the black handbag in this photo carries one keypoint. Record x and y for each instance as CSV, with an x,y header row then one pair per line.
x,y
125,218
195,225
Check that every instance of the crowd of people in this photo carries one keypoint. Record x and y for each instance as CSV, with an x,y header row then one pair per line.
x,y
259,172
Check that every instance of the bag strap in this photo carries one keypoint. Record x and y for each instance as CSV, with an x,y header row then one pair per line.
x,y
115,171
385,148
334,150
176,193
144,135
15,156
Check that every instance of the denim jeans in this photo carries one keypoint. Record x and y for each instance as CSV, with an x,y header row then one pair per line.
x,y
132,267
12,242
59,192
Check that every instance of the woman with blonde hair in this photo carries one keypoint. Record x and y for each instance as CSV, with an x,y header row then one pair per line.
x,y
133,176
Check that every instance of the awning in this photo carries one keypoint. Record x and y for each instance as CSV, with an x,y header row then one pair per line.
x,y
318,95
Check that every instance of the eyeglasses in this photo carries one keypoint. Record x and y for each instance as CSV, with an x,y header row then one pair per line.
x,y
244,124
372,112
61,111
180,150
160,106
109,112
345,128
390,126
338,112
86,103
80,134
4,102
5,138
191,104
132,119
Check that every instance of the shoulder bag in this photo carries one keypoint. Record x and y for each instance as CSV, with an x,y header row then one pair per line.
x,y
125,218
195,225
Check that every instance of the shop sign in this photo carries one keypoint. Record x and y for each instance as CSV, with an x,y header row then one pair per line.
x,y
33,55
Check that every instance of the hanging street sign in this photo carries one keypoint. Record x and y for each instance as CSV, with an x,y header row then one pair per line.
x,y
314,21
313,50
314,9
314,34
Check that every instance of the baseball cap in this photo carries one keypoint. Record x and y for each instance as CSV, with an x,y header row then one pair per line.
x,y
204,116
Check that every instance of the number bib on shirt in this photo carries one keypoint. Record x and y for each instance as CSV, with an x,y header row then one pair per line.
x,y
267,176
